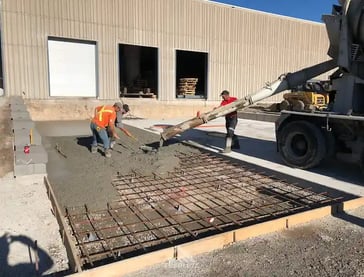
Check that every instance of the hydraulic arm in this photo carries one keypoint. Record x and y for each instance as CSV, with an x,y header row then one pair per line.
x,y
284,82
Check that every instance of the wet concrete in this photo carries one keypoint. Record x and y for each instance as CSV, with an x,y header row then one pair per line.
x,y
81,178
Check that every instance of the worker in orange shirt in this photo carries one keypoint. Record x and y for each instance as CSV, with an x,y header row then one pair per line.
x,y
102,123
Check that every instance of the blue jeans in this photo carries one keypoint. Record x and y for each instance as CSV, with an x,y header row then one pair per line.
x,y
101,133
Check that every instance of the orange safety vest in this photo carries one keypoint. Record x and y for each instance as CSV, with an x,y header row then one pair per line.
x,y
104,116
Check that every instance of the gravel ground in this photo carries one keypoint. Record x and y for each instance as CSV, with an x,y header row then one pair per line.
x,y
332,246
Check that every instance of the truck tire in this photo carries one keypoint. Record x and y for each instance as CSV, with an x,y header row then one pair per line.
x,y
301,144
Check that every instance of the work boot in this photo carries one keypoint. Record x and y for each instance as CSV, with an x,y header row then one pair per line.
x,y
112,144
93,149
236,144
227,145
108,153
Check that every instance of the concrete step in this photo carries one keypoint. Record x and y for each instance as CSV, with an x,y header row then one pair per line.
x,y
32,163
20,115
29,169
26,136
37,154
22,124
16,100
18,107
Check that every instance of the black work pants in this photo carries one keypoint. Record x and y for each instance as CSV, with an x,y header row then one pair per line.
x,y
230,124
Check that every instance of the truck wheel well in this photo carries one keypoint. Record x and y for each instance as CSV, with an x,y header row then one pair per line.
x,y
301,144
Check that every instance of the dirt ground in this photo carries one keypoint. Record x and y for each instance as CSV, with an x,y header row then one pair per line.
x,y
6,151
327,247
81,178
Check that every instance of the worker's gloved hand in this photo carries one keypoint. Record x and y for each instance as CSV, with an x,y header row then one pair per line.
x,y
203,117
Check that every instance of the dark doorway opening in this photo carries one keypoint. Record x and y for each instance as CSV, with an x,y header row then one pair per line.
x,y
138,67
191,74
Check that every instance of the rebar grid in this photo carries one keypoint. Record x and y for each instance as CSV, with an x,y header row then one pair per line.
x,y
207,195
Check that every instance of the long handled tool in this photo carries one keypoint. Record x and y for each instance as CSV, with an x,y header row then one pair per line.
x,y
128,133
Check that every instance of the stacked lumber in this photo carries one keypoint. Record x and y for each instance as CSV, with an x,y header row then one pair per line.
x,y
187,86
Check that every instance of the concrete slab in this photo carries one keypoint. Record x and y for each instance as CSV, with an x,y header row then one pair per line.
x,y
24,137
22,124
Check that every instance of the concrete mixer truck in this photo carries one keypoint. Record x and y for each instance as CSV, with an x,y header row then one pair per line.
x,y
305,139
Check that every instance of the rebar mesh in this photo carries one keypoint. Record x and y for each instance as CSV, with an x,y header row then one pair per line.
x,y
208,195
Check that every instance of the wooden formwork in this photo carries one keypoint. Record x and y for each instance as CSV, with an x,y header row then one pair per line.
x,y
74,262
217,241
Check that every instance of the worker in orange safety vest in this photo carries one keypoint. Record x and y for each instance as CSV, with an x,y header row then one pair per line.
x,y
118,123
102,123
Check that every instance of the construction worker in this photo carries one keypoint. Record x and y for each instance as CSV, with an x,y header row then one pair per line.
x,y
231,120
118,122
102,123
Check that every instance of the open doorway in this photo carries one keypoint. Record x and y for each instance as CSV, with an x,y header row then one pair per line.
x,y
138,69
191,74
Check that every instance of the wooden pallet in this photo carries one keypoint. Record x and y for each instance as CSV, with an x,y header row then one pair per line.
x,y
187,86
192,80
187,92
140,95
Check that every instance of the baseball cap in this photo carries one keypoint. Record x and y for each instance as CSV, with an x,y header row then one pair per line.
x,y
119,105
224,92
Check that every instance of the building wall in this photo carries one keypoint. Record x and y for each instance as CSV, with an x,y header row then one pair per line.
x,y
246,48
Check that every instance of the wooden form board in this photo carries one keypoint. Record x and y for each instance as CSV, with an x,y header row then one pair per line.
x,y
217,241
74,262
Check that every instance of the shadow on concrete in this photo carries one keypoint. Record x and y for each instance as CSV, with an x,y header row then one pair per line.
x,y
85,141
338,212
350,218
35,266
